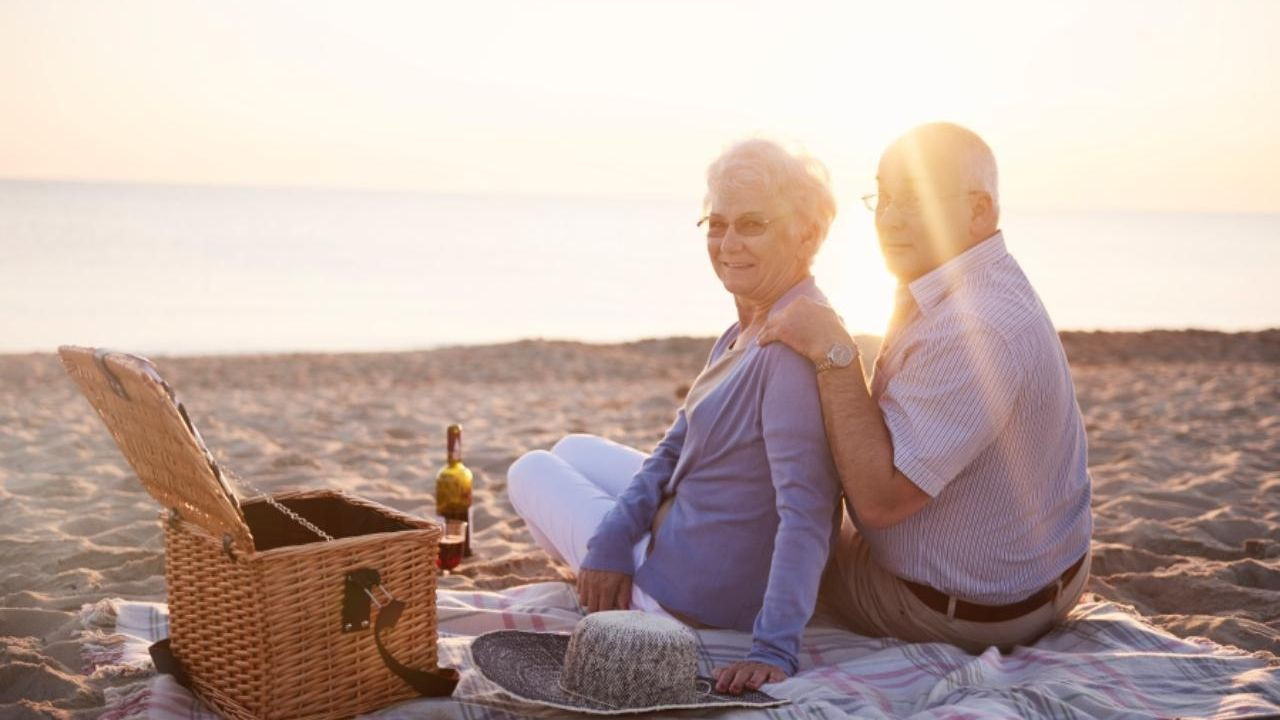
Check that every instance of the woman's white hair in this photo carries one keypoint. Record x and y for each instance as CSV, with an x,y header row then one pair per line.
x,y
800,180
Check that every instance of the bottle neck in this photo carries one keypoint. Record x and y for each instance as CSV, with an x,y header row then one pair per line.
x,y
454,446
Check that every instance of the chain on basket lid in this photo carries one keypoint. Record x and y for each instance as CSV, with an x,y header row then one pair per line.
x,y
158,439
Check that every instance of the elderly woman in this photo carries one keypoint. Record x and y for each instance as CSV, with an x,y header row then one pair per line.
x,y
729,521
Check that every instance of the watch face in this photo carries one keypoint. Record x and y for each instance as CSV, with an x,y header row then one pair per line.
x,y
840,355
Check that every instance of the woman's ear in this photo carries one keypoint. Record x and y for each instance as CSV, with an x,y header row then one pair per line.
x,y
808,247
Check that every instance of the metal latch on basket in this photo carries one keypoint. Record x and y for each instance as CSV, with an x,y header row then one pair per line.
x,y
358,596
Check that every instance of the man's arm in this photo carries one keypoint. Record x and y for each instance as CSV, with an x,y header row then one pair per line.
x,y
876,491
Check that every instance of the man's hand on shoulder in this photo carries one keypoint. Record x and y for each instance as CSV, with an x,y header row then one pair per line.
x,y
806,326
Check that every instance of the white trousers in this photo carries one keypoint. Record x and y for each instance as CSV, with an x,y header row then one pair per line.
x,y
565,493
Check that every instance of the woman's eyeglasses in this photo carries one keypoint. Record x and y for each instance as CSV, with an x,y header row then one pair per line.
x,y
746,225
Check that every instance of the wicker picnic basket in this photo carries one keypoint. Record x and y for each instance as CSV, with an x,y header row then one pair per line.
x,y
272,600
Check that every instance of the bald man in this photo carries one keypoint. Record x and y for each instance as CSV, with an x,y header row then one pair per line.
x,y
967,494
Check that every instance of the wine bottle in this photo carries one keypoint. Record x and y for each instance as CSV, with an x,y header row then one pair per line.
x,y
453,485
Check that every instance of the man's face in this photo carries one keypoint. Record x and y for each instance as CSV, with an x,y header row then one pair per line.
x,y
922,213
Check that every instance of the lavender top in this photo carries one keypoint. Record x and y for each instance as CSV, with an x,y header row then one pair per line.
x,y
975,389
755,499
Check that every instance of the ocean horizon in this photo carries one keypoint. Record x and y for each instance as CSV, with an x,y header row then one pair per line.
x,y
216,270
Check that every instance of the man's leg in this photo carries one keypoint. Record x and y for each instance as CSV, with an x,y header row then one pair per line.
x,y
872,601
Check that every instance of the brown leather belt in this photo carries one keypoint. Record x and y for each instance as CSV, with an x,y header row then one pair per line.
x,y
938,600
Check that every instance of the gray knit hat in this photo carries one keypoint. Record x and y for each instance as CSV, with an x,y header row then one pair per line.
x,y
616,662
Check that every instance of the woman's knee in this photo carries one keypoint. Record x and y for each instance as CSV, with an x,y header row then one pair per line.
x,y
575,443
530,470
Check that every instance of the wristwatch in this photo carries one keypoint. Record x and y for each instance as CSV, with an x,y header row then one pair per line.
x,y
839,356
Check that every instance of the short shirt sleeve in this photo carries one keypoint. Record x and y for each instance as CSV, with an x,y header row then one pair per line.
x,y
950,399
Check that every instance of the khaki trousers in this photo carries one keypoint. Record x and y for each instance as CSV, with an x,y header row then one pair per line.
x,y
871,601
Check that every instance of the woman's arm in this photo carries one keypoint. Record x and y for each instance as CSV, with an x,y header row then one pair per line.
x,y
604,579
611,545
806,493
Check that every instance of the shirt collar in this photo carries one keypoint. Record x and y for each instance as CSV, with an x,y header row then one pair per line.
x,y
929,289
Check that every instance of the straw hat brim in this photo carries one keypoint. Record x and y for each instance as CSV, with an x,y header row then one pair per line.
x,y
528,666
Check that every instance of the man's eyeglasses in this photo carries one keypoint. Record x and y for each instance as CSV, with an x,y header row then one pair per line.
x,y
746,225
906,204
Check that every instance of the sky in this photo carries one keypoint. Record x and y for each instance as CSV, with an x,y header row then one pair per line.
x,y
1109,105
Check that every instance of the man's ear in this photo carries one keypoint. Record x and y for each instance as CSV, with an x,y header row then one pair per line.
x,y
981,215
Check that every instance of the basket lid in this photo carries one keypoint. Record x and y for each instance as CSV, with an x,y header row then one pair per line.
x,y
158,439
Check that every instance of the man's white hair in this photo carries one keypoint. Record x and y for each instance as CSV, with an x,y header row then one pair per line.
x,y
764,166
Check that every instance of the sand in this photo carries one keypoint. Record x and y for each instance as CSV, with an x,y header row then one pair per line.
x,y
1184,432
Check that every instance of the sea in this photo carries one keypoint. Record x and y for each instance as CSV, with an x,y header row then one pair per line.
x,y
188,269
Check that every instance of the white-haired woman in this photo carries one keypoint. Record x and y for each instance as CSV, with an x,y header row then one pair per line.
x,y
729,521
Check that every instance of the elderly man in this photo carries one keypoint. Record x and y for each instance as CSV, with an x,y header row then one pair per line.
x,y
964,463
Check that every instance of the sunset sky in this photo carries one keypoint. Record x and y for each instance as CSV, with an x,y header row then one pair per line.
x,y
1115,105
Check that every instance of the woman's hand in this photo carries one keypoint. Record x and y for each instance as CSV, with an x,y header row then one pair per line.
x,y
604,590
748,674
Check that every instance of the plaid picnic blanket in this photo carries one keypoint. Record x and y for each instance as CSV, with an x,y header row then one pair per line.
x,y
1104,662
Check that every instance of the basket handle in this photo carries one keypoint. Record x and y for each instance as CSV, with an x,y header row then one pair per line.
x,y
357,598
439,682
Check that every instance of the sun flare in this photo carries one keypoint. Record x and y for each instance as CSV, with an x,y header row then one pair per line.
x,y
852,273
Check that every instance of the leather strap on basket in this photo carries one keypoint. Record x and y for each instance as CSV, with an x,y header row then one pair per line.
x,y
429,683
357,596
166,662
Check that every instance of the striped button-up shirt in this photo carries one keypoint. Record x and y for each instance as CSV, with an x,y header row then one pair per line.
x,y
975,390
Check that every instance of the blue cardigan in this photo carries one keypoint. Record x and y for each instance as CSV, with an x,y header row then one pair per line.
x,y
755,508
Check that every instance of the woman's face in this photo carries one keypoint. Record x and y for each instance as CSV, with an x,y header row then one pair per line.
x,y
756,268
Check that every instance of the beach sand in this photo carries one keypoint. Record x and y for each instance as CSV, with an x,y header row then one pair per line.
x,y
1184,433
